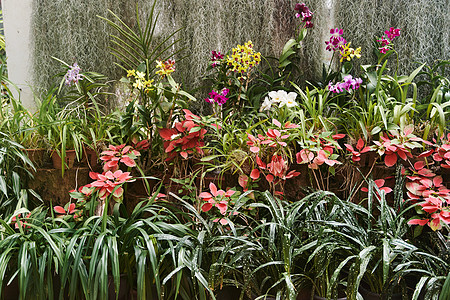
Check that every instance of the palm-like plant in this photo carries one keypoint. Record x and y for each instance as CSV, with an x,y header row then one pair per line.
x,y
137,47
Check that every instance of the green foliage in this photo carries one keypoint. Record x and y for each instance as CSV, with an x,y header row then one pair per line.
x,y
15,169
136,48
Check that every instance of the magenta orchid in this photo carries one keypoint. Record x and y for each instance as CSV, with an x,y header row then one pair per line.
x,y
304,12
216,58
348,84
218,97
385,42
336,41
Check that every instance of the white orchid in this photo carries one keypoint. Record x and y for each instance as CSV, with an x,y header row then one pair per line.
x,y
277,96
289,101
267,104
283,98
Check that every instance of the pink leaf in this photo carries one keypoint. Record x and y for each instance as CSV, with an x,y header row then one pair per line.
x,y
243,180
59,210
390,159
254,149
269,178
386,189
254,174
408,129
213,189
418,222
437,181
229,193
291,125
71,208
338,136
118,193
222,206
205,195
206,207
93,175
379,182
349,147
184,154
419,165
360,144
402,154
276,123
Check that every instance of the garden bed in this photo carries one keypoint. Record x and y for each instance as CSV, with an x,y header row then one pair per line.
x,y
288,188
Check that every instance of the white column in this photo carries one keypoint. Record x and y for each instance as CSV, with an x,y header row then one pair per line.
x,y
17,25
329,9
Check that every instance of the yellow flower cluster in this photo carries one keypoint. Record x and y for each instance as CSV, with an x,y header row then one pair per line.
x,y
348,53
165,67
243,58
139,80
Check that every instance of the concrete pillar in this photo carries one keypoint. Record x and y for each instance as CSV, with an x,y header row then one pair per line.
x,y
17,24
329,9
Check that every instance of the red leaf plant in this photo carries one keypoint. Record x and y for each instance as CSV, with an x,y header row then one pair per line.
x,y
319,150
270,148
426,188
397,144
380,184
17,221
63,211
141,145
219,199
184,137
440,153
110,183
115,154
359,149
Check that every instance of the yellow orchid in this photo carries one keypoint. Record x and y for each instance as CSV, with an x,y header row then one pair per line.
x,y
140,75
138,84
131,73
348,53
165,68
243,57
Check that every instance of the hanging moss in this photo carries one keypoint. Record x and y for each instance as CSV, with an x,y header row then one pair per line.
x,y
424,28
71,31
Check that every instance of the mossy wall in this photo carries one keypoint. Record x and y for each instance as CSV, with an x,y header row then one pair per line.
x,y
71,31
424,24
